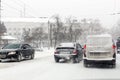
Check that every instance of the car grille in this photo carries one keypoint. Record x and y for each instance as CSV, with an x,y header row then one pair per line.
x,y
3,54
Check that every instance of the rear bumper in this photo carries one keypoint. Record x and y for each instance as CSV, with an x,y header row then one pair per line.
x,y
64,55
99,59
113,61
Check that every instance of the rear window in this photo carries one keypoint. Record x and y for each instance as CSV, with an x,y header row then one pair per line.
x,y
65,48
99,41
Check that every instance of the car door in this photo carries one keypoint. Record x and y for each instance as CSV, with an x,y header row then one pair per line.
x,y
79,49
24,50
29,50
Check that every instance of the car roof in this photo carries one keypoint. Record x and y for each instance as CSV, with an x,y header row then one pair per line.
x,y
66,45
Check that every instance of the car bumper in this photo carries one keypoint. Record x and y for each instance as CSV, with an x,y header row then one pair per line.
x,y
64,55
99,59
113,61
8,56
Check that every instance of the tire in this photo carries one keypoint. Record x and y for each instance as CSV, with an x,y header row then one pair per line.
x,y
118,52
85,63
75,59
19,57
56,59
114,63
32,56
79,58
114,66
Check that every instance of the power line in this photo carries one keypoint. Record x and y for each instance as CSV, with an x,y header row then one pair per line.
x,y
11,6
31,10
20,11
26,10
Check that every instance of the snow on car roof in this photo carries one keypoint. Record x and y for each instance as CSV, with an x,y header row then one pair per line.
x,y
66,45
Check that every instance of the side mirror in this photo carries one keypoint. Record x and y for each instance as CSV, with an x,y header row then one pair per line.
x,y
23,47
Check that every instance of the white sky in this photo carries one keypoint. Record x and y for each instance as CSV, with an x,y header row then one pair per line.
x,y
97,9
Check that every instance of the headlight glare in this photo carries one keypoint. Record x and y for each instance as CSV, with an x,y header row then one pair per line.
x,y
10,53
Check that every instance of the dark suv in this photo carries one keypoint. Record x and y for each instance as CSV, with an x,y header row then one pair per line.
x,y
69,51
17,52
118,45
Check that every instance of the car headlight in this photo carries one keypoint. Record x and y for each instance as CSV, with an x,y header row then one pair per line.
x,y
10,53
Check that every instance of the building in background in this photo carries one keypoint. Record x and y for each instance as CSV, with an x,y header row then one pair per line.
x,y
15,26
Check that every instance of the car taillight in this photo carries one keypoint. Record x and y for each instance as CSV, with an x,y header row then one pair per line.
x,y
75,51
84,50
113,46
56,52
85,46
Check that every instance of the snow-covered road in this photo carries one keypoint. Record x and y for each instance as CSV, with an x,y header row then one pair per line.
x,y
43,67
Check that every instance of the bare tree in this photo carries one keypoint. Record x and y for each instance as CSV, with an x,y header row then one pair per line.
x,y
38,35
2,30
26,36
57,30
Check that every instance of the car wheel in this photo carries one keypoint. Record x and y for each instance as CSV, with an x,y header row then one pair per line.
x,y
19,57
79,58
56,59
85,63
113,66
114,63
74,60
32,56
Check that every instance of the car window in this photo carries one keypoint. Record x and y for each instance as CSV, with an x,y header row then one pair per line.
x,y
23,47
12,46
79,46
28,46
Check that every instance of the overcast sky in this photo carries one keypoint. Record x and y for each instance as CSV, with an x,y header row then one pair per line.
x,y
97,9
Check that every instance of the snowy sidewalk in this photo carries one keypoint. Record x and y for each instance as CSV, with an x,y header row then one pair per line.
x,y
46,52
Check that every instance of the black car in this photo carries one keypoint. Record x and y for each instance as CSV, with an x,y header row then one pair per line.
x,y
17,52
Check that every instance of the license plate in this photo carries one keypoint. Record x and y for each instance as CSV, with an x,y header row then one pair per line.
x,y
95,54
2,56
65,52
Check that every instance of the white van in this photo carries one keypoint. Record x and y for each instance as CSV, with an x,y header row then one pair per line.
x,y
99,49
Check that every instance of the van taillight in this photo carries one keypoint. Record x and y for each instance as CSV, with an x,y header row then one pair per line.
x,y
85,46
75,51
84,50
113,46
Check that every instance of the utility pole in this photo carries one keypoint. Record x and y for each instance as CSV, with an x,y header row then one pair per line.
x,y
24,10
0,24
48,34
0,11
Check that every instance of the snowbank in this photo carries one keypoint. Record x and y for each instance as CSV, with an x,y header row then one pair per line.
x,y
46,52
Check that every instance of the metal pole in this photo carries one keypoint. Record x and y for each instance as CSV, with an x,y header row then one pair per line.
x,y
24,11
0,23
0,11
48,35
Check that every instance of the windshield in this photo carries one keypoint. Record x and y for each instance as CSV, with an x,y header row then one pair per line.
x,y
12,46
61,38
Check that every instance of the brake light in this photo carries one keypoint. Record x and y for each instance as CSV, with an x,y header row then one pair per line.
x,y
56,52
113,46
75,51
84,50
85,46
